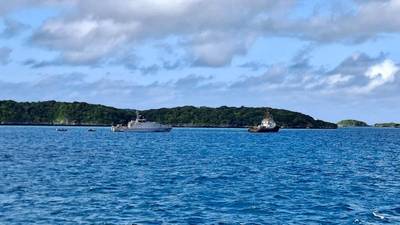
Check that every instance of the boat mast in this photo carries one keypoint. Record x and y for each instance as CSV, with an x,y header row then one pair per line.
x,y
137,115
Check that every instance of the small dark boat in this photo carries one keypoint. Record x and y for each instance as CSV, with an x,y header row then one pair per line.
x,y
61,129
92,130
267,125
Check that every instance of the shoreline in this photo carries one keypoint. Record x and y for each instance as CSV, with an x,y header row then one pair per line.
x,y
107,125
181,127
53,125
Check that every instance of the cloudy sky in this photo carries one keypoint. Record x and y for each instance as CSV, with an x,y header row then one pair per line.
x,y
331,59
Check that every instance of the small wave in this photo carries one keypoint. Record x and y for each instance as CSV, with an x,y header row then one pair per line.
x,y
277,196
211,178
378,215
397,210
6,158
16,189
102,189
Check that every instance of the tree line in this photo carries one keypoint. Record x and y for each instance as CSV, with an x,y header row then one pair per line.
x,y
81,113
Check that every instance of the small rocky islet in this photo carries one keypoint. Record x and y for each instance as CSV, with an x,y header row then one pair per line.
x,y
387,125
352,123
358,123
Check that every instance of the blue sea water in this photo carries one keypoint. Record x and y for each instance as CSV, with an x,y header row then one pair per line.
x,y
199,176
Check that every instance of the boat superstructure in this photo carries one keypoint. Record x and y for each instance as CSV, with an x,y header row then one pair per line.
x,y
140,124
268,124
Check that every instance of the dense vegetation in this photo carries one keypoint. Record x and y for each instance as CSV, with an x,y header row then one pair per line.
x,y
52,112
395,125
352,123
231,117
78,113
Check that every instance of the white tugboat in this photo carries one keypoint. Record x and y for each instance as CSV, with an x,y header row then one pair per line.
x,y
141,125
267,125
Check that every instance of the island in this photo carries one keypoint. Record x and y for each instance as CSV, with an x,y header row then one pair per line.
x,y
352,123
85,114
384,125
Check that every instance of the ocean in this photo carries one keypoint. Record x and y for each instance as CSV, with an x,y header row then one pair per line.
x,y
199,176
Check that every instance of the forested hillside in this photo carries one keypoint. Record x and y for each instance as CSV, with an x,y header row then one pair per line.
x,y
79,113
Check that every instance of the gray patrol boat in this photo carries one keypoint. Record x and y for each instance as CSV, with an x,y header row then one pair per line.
x,y
140,124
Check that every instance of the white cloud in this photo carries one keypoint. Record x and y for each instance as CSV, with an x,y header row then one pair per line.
x,y
212,49
211,32
384,71
356,76
83,41
9,6
380,74
338,79
368,19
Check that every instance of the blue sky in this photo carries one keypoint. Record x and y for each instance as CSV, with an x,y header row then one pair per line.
x,y
331,59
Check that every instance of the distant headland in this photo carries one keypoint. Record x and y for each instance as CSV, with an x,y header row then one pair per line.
x,y
85,114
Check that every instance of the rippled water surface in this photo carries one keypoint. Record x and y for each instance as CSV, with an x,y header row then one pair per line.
x,y
199,176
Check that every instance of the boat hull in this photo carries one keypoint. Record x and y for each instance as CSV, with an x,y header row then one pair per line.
x,y
161,129
263,129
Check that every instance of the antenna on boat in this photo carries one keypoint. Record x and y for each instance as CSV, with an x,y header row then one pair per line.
x,y
268,114
137,116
